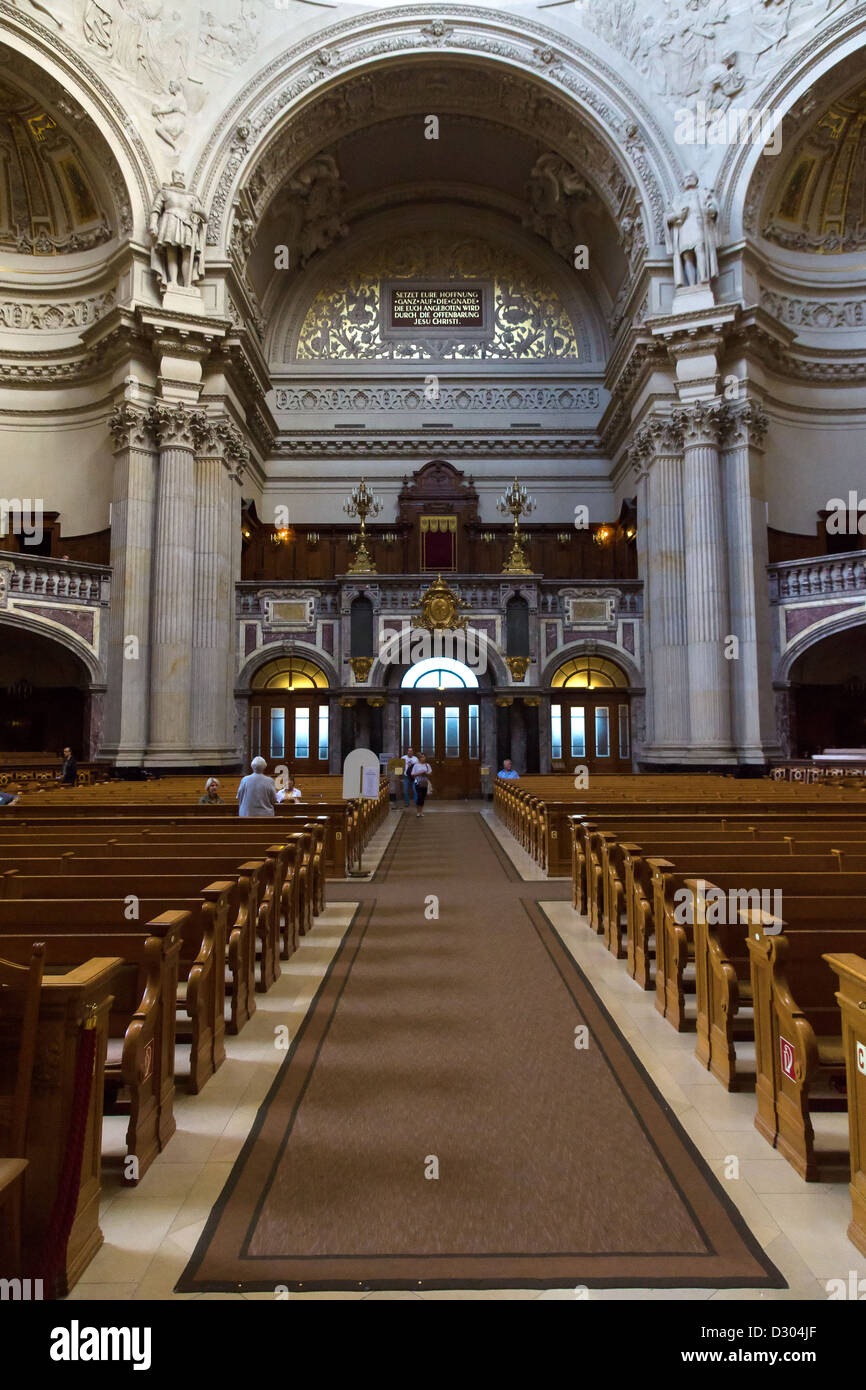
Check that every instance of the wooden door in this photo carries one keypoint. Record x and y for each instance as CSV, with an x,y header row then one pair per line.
x,y
446,725
592,729
290,731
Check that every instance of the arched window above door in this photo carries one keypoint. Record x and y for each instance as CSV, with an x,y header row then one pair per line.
x,y
590,673
290,673
439,673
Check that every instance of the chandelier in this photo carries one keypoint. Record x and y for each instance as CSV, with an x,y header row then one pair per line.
x,y
516,502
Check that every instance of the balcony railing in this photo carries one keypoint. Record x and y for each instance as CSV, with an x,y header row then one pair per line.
x,y
817,577
57,581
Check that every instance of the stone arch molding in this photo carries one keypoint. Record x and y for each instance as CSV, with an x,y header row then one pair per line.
x,y
745,172
23,33
841,622
613,115
39,627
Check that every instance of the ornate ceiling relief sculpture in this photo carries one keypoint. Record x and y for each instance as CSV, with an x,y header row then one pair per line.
x,y
150,45
529,320
556,193
311,209
704,48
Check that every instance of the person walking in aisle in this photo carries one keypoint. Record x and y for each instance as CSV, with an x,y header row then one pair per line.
x,y
421,771
257,794
409,761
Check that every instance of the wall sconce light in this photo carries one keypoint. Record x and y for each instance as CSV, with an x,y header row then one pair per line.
x,y
603,535
630,533
312,538
389,537
245,533
281,537
488,536
563,537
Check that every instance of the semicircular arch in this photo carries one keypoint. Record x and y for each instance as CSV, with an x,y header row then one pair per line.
x,y
549,80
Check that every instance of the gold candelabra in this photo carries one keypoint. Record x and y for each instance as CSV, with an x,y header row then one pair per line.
x,y
516,502
362,503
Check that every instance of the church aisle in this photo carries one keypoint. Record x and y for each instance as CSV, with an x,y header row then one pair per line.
x,y
457,1111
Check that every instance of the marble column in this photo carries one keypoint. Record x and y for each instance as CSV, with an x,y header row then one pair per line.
x,y
743,429
132,523
178,429
706,575
233,483
667,673
217,548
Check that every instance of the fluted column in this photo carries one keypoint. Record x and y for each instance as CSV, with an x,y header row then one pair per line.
x,y
706,573
743,429
213,595
177,428
665,607
132,522
234,502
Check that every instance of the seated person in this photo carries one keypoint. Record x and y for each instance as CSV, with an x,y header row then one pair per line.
x,y
211,793
290,792
508,771
10,798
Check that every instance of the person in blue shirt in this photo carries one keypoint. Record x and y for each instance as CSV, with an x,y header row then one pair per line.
x,y
508,771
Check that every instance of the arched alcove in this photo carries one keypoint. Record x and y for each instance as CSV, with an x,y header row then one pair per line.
x,y
828,689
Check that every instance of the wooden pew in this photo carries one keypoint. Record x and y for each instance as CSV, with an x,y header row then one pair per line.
x,y
70,1001
675,939
103,903
240,939
851,998
141,1031
256,876
798,1028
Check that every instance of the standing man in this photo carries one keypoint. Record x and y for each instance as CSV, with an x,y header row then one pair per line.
x,y
257,793
69,769
409,761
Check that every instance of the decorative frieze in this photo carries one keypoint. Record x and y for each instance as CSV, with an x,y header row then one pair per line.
x,y
412,398
820,314
37,316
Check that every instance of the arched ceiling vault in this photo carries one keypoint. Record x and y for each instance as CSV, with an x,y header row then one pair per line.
x,y
446,133
548,85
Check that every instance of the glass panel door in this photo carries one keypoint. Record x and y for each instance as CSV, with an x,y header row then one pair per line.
x,y
578,731
278,733
302,733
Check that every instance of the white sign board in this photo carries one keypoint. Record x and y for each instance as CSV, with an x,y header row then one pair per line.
x,y
359,763
370,782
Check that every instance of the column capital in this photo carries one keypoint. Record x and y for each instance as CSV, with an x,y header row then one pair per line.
x,y
700,422
130,427
225,441
744,423
661,434
176,425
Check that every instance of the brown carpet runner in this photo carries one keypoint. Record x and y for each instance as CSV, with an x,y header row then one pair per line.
x,y
448,1046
